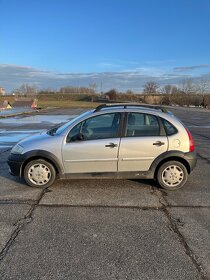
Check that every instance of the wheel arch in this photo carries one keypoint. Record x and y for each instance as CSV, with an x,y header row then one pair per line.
x,y
181,160
49,157
170,156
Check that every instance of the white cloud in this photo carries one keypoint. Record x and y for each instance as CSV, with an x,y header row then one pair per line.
x,y
190,68
109,65
12,76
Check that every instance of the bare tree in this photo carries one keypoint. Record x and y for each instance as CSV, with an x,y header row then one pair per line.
x,y
187,86
92,87
202,87
169,89
75,90
169,92
151,87
112,94
26,89
188,89
129,92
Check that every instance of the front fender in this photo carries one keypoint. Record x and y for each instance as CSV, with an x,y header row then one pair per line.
x,y
21,159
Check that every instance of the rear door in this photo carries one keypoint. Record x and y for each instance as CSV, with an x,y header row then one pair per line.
x,y
144,140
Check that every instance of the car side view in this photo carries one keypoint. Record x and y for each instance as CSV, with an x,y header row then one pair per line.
x,y
122,140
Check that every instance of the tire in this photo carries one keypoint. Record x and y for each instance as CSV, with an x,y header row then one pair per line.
x,y
172,175
39,173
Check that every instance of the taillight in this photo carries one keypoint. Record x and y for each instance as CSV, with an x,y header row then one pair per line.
x,y
191,141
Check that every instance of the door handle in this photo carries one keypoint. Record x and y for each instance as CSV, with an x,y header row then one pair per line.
x,y
111,145
159,143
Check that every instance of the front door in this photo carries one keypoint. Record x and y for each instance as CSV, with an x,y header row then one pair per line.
x,y
142,142
92,146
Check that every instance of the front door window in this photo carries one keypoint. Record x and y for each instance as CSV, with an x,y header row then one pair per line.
x,y
99,127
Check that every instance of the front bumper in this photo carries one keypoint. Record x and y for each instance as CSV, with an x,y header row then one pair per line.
x,y
15,163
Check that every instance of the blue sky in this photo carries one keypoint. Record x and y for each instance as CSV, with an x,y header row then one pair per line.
x,y
56,39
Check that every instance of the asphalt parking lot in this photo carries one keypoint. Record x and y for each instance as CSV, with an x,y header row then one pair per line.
x,y
104,229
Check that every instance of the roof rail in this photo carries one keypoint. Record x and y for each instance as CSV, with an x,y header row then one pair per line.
x,y
125,105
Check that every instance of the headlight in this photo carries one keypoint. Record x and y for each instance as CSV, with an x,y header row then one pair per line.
x,y
17,149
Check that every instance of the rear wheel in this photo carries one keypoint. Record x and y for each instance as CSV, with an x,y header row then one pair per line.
x,y
39,173
172,175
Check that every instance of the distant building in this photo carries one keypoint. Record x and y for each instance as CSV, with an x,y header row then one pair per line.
x,y
2,91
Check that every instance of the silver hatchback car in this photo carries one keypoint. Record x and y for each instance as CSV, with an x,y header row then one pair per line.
x,y
112,141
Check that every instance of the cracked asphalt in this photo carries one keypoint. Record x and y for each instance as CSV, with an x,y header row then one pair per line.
x,y
108,229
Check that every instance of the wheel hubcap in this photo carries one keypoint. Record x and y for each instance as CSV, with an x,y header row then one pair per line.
x,y
39,174
172,175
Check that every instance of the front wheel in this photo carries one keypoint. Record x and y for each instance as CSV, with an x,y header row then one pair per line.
x,y
39,173
172,175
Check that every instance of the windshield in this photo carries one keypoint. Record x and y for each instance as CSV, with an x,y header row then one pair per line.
x,y
60,128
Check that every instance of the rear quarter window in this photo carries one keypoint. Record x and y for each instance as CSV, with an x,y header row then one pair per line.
x,y
170,129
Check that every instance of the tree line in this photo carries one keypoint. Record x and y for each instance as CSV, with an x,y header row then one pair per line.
x,y
188,92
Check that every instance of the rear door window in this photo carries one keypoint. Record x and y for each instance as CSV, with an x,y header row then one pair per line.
x,y
140,125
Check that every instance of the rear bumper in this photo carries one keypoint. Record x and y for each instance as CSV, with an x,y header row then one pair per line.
x,y
191,158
